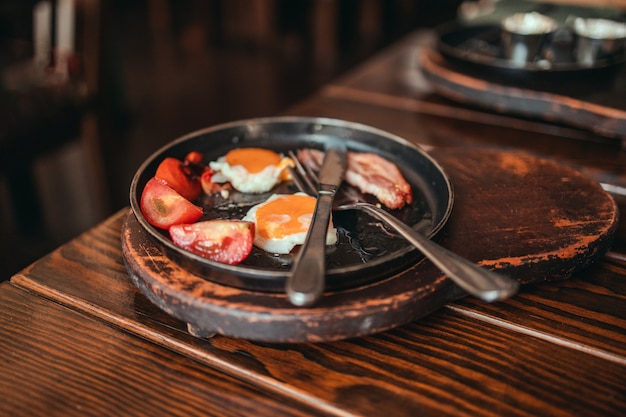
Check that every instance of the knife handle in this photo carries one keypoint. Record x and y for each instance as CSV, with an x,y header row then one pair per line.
x,y
306,283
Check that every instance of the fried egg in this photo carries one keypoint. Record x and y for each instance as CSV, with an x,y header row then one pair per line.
x,y
282,222
252,170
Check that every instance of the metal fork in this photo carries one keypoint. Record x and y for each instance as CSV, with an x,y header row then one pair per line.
x,y
480,282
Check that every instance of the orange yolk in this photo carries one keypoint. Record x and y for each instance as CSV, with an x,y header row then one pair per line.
x,y
252,159
284,216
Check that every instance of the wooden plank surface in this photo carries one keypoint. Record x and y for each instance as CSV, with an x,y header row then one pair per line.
x,y
446,364
598,327
56,361
504,358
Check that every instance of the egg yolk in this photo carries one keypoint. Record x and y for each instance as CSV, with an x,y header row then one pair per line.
x,y
254,160
284,216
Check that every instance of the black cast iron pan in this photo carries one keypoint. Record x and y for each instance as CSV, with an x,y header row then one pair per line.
x,y
366,252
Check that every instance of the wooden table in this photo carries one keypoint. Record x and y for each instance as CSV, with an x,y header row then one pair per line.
x,y
78,338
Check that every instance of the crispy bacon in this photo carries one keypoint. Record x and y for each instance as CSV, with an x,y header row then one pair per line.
x,y
375,175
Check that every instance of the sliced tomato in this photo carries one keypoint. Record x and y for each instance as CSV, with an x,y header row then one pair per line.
x,y
225,241
177,175
163,207
194,157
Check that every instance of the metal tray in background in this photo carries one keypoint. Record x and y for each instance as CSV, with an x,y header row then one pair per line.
x,y
478,48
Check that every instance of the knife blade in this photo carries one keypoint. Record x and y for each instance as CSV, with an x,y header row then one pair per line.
x,y
306,282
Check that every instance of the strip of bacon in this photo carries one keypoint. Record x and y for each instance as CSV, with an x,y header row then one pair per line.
x,y
372,174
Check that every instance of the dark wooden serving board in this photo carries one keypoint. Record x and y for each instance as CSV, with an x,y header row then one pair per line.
x,y
597,104
530,218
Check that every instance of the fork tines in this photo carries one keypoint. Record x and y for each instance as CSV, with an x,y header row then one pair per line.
x,y
305,174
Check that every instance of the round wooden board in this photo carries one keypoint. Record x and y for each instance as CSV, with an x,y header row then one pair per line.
x,y
530,218
558,102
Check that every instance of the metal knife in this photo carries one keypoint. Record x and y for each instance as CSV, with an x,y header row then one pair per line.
x,y
306,282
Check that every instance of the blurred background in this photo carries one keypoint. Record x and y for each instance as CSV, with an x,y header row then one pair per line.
x,y
90,88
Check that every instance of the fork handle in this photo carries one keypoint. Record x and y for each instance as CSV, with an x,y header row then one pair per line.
x,y
306,282
480,282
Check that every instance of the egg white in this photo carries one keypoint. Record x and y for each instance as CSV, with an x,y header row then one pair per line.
x,y
247,182
286,244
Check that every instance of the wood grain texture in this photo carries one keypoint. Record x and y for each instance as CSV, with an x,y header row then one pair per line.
x,y
462,359
69,364
211,307
532,216
599,327
59,362
533,219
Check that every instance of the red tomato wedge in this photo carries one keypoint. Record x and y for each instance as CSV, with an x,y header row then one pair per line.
x,y
163,207
178,175
194,157
225,241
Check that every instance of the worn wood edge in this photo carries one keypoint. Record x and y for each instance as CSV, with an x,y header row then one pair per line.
x,y
581,253
166,336
26,282
270,317
592,250
588,250
594,117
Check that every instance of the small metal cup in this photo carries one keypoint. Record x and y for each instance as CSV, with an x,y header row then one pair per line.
x,y
597,39
525,35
